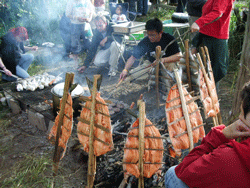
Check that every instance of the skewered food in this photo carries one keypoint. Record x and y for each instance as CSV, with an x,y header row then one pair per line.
x,y
176,122
103,141
207,100
65,129
131,156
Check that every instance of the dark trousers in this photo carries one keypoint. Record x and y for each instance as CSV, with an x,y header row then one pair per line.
x,y
142,6
181,5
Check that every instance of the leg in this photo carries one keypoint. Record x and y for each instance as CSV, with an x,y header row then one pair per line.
x,y
102,57
218,52
114,56
75,38
172,181
21,72
25,61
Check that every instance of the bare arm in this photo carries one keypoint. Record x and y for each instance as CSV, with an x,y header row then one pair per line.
x,y
6,71
172,58
129,64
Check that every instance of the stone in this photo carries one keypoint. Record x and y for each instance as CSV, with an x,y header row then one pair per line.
x,y
14,106
51,123
37,120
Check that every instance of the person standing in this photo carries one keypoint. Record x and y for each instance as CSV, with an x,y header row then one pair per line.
x,y
80,14
213,27
13,59
194,10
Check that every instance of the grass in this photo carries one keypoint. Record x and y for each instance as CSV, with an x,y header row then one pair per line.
x,y
31,172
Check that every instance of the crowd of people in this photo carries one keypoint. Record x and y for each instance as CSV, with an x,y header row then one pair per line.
x,y
219,161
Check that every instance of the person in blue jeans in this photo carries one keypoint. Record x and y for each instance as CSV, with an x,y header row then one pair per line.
x,y
12,54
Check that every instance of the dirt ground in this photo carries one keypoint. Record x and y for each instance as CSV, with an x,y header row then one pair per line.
x,y
20,141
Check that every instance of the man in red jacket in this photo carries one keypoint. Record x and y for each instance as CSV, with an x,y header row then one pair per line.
x,y
219,161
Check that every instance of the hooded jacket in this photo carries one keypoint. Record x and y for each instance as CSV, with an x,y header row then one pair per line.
x,y
217,163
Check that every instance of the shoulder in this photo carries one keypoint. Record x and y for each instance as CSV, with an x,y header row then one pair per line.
x,y
8,38
167,36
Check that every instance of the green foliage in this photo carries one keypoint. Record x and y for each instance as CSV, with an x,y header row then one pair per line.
x,y
161,13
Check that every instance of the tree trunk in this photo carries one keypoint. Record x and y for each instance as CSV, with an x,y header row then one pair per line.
x,y
244,72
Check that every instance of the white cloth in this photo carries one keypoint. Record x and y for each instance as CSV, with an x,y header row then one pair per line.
x,y
79,8
110,55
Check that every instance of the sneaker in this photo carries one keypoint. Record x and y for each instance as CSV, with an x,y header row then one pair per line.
x,y
112,73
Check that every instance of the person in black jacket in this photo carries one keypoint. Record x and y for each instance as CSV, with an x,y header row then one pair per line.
x,y
109,49
12,53
194,9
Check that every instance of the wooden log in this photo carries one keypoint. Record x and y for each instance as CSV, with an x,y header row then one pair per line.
x,y
95,111
56,158
141,105
158,59
91,159
185,110
188,64
208,85
204,56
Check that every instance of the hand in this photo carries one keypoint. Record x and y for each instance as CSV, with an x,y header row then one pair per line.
x,y
195,27
7,72
102,43
124,74
35,48
236,129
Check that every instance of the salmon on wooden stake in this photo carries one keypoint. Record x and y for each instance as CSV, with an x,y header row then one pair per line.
x,y
83,129
207,100
65,129
150,156
176,122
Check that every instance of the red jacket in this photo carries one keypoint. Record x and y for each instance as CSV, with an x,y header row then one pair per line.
x,y
210,12
217,163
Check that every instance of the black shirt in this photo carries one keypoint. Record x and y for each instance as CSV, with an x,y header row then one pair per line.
x,y
147,47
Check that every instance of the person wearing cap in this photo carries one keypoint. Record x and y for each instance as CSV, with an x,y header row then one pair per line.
x,y
13,59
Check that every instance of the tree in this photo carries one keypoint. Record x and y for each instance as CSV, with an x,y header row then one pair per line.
x,y
244,72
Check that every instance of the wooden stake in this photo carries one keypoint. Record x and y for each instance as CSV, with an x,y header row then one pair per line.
x,y
204,57
92,157
184,109
158,56
215,120
188,64
141,105
56,158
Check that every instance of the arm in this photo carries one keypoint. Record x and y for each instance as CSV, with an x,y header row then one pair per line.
x,y
172,58
34,48
129,64
219,8
6,71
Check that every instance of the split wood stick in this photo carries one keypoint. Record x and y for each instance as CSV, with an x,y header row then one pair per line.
x,y
149,149
95,138
84,98
68,81
188,64
95,111
144,163
187,103
210,71
153,137
141,105
179,97
204,56
185,132
184,109
185,85
158,56
91,160
181,118
208,86
95,124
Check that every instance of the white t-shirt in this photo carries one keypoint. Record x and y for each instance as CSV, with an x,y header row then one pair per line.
x,y
79,8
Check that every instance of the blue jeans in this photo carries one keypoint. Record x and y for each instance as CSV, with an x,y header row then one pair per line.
x,y
21,68
172,181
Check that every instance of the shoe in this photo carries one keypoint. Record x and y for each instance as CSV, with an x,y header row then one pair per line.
x,y
112,73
